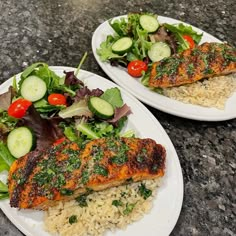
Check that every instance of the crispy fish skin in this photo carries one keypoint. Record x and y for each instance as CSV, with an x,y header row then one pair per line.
x,y
203,61
65,171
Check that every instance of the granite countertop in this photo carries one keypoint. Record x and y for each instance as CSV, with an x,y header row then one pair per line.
x,y
59,32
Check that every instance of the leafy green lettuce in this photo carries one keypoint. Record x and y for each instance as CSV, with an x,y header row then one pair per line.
x,y
130,28
180,30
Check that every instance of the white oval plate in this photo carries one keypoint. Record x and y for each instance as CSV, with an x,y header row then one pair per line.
x,y
165,104
167,204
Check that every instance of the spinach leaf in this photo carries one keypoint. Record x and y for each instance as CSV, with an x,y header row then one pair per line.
x,y
113,96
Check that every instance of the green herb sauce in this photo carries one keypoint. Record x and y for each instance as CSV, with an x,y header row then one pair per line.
x,y
100,170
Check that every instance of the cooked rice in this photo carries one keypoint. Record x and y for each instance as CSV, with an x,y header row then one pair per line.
x,y
100,215
212,92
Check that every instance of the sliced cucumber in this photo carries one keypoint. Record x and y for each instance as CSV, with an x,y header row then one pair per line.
x,y
122,45
33,88
20,141
100,108
149,23
158,51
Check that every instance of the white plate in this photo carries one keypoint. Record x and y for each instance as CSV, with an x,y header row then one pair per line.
x,y
168,105
168,202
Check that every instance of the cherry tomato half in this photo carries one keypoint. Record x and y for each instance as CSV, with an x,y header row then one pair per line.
x,y
56,99
190,41
136,67
59,141
19,107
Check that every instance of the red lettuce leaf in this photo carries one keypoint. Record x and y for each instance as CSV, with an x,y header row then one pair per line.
x,y
46,131
6,98
71,79
119,113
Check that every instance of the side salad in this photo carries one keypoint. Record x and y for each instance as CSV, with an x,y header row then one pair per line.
x,y
42,108
139,40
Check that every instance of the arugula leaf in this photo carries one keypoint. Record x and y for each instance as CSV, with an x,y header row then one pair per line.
x,y
113,96
3,165
119,26
30,69
4,196
5,155
142,42
7,123
3,187
43,106
70,134
79,108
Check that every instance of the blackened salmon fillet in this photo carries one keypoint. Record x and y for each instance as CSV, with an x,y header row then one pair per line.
x,y
65,171
203,61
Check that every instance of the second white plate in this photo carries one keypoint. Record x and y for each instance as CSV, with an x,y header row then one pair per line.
x,y
168,202
165,104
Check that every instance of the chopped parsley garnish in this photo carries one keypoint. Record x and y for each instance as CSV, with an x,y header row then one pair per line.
x,y
66,191
117,203
73,219
142,155
144,192
85,176
82,200
129,208
168,66
190,69
97,153
119,160
100,170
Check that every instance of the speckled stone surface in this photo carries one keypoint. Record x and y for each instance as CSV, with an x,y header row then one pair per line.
x,y
59,32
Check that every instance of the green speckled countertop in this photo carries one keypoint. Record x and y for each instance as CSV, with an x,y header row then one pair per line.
x,y
59,32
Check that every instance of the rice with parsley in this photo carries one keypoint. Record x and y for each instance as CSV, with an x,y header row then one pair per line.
x,y
110,209
212,92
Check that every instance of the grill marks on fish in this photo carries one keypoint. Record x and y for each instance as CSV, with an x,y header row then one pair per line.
x,y
65,171
203,61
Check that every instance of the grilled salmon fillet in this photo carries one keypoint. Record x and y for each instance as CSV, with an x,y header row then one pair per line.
x,y
65,171
203,61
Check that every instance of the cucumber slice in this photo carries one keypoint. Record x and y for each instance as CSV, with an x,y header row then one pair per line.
x,y
158,51
149,23
122,45
33,88
100,108
20,141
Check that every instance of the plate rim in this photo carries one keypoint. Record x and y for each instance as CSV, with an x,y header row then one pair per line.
x,y
169,143
180,112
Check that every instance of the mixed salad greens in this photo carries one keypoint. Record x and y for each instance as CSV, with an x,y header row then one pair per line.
x,y
44,108
139,40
